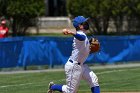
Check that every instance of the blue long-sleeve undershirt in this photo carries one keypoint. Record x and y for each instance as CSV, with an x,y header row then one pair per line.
x,y
79,37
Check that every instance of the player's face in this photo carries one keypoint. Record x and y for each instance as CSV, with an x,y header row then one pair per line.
x,y
85,25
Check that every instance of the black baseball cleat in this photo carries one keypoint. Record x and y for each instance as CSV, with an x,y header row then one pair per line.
x,y
49,87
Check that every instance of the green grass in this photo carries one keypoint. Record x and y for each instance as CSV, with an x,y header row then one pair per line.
x,y
111,80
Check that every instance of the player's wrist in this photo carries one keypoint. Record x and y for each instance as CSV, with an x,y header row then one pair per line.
x,y
73,33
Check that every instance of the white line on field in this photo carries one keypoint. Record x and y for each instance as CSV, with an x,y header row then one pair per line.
x,y
117,70
16,85
106,72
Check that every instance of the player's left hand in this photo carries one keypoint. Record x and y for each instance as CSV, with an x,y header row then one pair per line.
x,y
94,45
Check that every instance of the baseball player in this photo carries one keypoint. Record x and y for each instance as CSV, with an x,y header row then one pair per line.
x,y
75,69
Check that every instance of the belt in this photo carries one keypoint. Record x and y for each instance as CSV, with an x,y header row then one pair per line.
x,y
72,61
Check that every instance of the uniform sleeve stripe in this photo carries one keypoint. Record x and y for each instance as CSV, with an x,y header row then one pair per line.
x,y
80,37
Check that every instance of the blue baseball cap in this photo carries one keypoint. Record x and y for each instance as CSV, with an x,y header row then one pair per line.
x,y
78,20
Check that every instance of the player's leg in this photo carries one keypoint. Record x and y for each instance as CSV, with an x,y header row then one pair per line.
x,y
91,78
73,76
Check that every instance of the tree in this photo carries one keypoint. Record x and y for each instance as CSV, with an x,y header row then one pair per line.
x,y
102,11
133,16
23,13
3,4
99,12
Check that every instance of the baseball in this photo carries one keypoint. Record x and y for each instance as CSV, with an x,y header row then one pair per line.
x,y
65,31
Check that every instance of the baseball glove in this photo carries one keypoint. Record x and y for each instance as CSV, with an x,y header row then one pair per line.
x,y
94,45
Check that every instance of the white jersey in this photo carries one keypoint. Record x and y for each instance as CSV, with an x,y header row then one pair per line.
x,y
80,49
